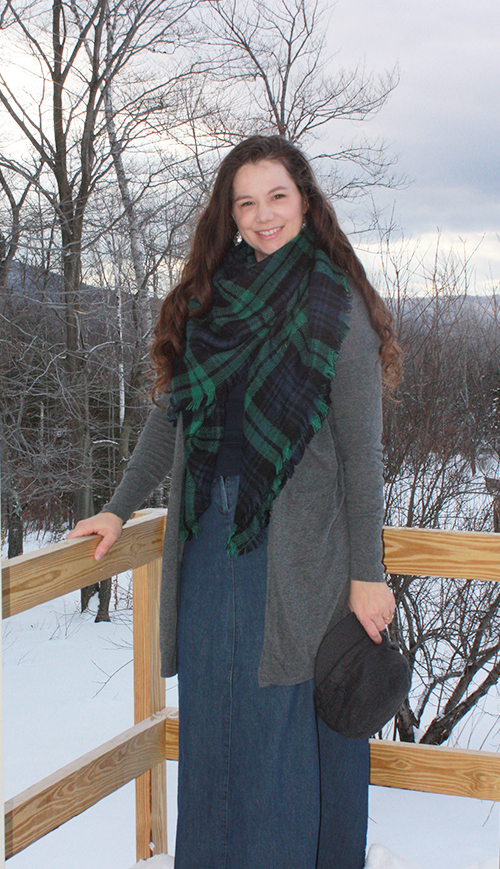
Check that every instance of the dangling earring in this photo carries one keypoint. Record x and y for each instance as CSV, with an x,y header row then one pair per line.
x,y
237,238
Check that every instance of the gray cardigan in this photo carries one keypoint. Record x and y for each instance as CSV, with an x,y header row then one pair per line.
x,y
326,523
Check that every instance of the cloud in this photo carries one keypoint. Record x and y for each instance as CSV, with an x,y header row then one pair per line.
x,y
442,119
469,264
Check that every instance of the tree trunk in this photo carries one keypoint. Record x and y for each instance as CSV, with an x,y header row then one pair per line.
x,y
14,524
104,598
77,385
405,722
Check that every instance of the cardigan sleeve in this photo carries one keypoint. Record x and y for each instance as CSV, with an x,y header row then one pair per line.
x,y
356,420
148,466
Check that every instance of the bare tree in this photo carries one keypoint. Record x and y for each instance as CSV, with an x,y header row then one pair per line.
x,y
274,73
66,130
434,432
9,242
91,44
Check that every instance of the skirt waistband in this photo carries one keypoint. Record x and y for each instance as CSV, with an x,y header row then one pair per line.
x,y
224,494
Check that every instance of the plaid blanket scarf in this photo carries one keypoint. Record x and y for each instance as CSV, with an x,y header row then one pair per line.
x,y
281,321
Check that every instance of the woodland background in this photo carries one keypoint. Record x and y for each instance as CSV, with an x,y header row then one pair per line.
x,y
114,117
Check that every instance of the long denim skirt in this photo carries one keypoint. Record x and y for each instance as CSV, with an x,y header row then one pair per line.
x,y
262,783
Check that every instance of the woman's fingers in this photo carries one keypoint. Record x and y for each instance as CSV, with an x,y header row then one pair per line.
x,y
373,603
107,525
372,628
105,544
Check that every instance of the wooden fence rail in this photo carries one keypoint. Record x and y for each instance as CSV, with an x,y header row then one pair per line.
x,y
80,784
40,576
140,752
449,554
37,577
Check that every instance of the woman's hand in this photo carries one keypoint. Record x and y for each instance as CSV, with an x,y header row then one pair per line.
x,y
108,525
373,603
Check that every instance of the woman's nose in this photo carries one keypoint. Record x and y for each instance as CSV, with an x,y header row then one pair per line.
x,y
264,212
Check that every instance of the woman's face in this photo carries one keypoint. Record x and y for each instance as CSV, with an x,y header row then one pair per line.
x,y
268,208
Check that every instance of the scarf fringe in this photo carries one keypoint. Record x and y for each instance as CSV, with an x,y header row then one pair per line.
x,y
244,539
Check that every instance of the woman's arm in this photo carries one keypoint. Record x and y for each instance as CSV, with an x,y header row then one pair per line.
x,y
148,466
356,419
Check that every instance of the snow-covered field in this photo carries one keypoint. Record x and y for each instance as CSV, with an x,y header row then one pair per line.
x,y
68,688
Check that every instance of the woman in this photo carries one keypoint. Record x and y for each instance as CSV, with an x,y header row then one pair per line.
x,y
272,347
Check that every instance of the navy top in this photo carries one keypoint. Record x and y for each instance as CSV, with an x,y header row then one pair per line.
x,y
231,450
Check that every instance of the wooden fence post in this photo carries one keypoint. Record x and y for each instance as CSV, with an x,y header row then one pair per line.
x,y
149,697
493,488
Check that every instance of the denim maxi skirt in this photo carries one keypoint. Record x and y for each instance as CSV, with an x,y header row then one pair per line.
x,y
263,784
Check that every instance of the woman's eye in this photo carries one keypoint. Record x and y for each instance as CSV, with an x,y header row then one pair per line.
x,y
243,204
279,195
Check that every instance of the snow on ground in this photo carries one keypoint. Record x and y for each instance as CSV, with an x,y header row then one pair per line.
x,y
379,857
68,688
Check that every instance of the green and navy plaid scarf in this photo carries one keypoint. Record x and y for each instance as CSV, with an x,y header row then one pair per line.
x,y
281,322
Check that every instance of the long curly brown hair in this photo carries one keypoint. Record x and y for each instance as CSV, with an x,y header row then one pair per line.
x,y
215,234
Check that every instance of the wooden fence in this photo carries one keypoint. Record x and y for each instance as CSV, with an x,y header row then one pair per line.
x,y
139,753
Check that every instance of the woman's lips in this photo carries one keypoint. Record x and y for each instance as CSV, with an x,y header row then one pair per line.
x,y
268,233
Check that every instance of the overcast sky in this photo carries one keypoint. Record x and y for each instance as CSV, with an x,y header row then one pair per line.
x,y
443,119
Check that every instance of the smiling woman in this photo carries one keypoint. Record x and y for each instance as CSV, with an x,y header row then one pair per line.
x,y
268,208
275,512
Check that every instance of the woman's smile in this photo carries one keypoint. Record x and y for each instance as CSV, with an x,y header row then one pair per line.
x,y
268,208
268,234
